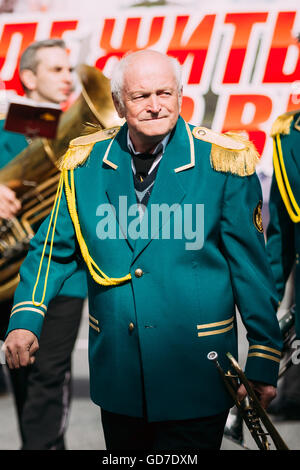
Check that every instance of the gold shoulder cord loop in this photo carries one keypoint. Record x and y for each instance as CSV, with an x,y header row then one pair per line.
x,y
54,213
283,182
101,279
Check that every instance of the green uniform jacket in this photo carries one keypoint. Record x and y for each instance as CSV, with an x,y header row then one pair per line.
x,y
283,235
153,333
11,144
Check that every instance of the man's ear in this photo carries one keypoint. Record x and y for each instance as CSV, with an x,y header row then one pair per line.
x,y
118,106
28,78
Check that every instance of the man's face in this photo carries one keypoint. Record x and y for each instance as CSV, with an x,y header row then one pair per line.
x,y
52,80
151,100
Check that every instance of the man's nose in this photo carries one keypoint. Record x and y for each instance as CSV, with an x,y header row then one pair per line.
x,y
154,104
67,76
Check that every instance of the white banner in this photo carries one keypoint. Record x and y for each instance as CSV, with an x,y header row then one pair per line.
x,y
241,64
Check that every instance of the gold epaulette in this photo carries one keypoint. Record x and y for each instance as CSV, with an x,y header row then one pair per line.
x,y
81,147
282,124
230,152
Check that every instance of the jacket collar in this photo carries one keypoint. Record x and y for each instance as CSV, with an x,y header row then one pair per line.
x,y
181,160
178,157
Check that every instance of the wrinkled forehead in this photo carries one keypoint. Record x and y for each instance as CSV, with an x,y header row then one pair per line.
x,y
149,71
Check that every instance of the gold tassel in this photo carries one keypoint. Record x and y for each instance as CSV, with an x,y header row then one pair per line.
x,y
76,155
283,123
240,162
81,147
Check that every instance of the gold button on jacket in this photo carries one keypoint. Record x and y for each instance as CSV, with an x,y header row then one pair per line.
x,y
138,272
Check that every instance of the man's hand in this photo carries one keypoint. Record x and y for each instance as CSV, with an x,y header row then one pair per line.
x,y
9,204
265,393
20,347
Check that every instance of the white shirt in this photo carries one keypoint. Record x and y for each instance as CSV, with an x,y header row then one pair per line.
x,y
160,148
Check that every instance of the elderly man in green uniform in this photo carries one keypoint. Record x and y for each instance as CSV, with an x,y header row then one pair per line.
x,y
283,241
166,217
43,392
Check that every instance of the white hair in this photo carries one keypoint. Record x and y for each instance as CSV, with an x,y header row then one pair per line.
x,y
117,78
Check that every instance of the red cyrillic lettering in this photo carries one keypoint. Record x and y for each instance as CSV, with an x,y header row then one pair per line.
x,y
197,45
243,23
282,40
234,114
130,38
59,27
27,31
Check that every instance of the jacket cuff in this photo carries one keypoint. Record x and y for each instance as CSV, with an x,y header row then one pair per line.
x,y
263,364
27,316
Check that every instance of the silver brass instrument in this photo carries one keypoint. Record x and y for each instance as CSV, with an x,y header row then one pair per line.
x,y
253,414
33,174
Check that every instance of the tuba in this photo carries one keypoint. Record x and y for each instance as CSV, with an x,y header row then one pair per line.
x,y
33,174
250,409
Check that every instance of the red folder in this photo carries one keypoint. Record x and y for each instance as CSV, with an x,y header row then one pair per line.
x,y
32,119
